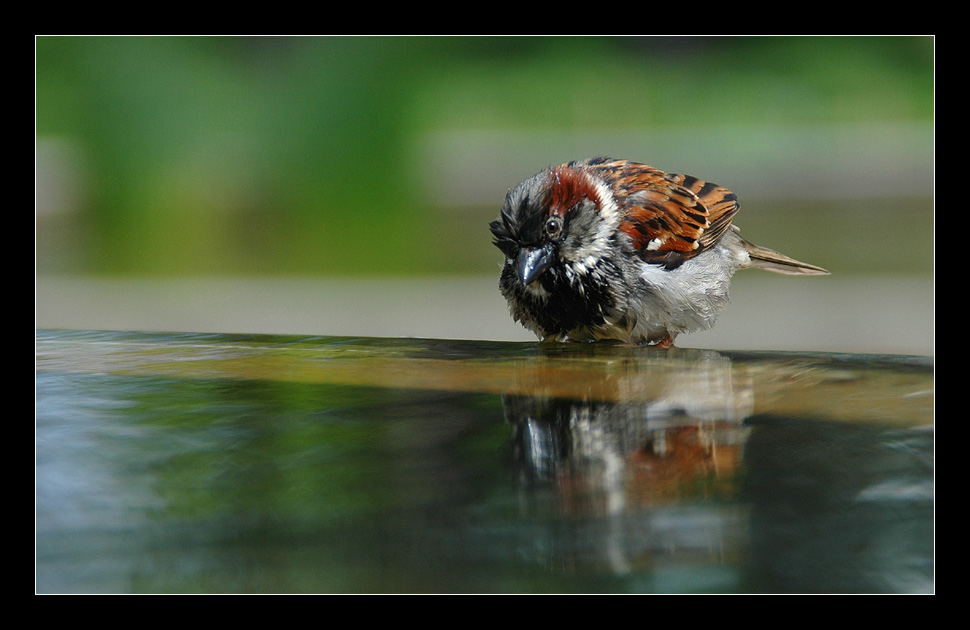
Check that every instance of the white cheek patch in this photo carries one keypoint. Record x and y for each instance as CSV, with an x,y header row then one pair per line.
x,y
607,204
609,221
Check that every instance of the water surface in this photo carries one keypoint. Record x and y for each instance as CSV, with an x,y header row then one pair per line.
x,y
236,464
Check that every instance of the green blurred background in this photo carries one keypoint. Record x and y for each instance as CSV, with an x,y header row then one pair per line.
x,y
373,161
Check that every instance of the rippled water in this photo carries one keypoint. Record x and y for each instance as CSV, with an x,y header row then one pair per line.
x,y
234,464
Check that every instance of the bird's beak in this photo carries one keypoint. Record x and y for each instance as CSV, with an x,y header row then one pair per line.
x,y
532,262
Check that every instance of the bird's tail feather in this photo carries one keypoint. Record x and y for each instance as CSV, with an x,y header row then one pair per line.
x,y
770,260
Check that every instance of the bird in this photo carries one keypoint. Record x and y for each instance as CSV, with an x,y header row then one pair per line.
x,y
612,249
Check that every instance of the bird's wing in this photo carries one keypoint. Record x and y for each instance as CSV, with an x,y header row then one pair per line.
x,y
668,217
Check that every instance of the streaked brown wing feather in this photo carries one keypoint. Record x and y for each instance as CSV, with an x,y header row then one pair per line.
x,y
668,217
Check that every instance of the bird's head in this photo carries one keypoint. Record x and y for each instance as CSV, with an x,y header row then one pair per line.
x,y
557,223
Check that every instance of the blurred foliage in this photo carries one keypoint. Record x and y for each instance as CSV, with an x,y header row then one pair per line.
x,y
207,155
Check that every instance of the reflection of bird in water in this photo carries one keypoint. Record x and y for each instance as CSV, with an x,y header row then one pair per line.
x,y
684,440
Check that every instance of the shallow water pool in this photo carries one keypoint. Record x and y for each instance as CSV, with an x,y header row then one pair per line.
x,y
181,463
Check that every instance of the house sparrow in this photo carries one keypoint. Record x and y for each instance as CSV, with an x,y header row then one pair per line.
x,y
612,249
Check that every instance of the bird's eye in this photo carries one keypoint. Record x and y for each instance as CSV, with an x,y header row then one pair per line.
x,y
553,226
